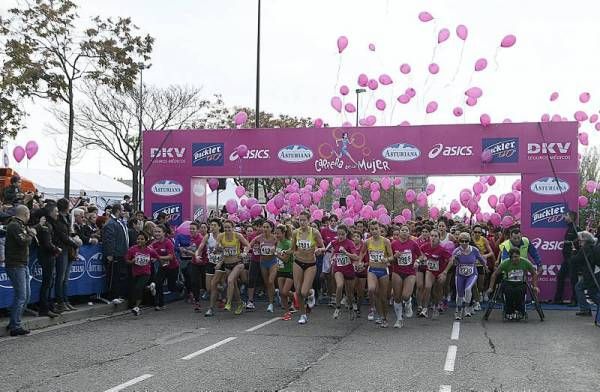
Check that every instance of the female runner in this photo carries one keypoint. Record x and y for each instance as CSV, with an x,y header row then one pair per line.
x,y
342,259
306,245
268,262
360,271
436,258
285,280
465,258
380,254
231,266
210,255
406,253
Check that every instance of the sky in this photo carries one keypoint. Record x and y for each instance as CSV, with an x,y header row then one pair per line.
x,y
212,45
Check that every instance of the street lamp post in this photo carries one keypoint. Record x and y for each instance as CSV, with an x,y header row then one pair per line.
x,y
358,92
257,109
140,127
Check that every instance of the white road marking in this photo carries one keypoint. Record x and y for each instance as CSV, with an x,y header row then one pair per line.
x,y
129,383
445,388
455,330
263,324
450,359
195,354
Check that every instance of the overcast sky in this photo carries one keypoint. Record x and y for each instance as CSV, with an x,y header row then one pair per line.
x,y
212,44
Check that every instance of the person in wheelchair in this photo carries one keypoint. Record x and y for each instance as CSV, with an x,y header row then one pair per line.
x,y
514,283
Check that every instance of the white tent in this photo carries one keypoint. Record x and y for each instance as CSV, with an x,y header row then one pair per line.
x,y
224,195
51,181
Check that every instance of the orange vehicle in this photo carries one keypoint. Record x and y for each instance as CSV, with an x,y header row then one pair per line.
x,y
5,175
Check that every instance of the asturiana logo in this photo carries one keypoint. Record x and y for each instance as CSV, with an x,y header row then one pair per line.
x,y
95,266
77,268
295,153
208,154
167,188
401,152
548,215
549,186
504,149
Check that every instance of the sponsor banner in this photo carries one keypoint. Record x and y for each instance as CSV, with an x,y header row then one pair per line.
x,y
166,188
174,212
198,199
548,215
549,186
401,150
87,276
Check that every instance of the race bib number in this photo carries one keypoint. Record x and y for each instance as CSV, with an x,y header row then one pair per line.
x,y
141,260
376,256
433,265
280,264
303,244
405,259
267,250
360,267
341,260
466,270
256,249
229,251
215,258
516,276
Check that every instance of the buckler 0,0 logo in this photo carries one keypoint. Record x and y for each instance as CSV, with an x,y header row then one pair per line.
x,y
207,154
548,215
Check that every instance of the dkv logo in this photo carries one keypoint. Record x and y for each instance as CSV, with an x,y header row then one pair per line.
x,y
167,188
450,151
401,152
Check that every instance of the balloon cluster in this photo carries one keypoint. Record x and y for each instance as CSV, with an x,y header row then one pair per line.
x,y
31,148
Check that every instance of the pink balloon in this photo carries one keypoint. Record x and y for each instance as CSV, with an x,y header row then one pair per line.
x,y
478,187
457,111
516,186
336,103
493,201
404,99
242,150
213,184
545,117
508,41
507,121
583,138
434,212
183,228
372,47
370,120
431,107
405,68
472,206
240,191
407,214
386,183
306,199
474,92
344,90
410,92
591,186
372,84
495,219
410,196
336,181
507,222
231,206
384,219
584,97
422,199
385,79
580,115
554,96
374,186
486,156
509,199
425,16
31,148
430,189
397,181
350,108
348,221
240,118
251,202
485,120
367,184
491,180
342,43
443,35
380,104
255,210
462,32
471,101
363,80
318,123
350,200
454,206
279,201
480,64
593,118
583,201
434,68
597,126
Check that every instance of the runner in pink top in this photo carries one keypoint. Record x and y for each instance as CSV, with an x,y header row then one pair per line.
x,y
342,259
406,253
436,257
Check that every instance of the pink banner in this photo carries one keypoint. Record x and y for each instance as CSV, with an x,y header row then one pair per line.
x,y
535,150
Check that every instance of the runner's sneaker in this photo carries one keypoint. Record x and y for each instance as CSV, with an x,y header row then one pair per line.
x,y
293,309
408,312
477,307
303,319
355,307
384,323
287,316
399,323
423,313
158,308
250,305
378,320
270,308
371,315
344,301
136,311
336,313
419,309
239,309
311,298
435,313
209,313
332,302
468,311
457,315
197,307
227,306
152,288
277,298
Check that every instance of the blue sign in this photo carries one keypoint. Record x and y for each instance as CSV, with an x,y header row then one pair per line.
x,y
208,154
87,276
504,149
548,215
172,210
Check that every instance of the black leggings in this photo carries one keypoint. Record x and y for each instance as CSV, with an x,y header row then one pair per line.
x,y
138,283
254,275
196,274
171,276
514,297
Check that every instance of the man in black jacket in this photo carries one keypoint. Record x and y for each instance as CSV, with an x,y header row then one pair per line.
x,y
587,262
115,243
47,252
63,240
570,248
18,238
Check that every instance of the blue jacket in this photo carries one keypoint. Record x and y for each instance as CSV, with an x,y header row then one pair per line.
x,y
114,239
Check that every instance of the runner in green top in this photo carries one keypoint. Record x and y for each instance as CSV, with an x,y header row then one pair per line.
x,y
285,279
514,274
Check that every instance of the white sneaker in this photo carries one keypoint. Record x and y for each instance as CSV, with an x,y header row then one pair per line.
x,y
117,301
355,307
344,301
250,305
311,298
468,311
399,323
378,320
292,309
457,315
371,315
152,288
408,312
336,313
270,308
136,311
303,319
423,313
477,307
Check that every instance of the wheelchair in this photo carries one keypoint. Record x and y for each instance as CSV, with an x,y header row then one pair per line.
x,y
498,299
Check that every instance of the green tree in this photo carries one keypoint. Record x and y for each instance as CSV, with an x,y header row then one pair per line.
x,y
46,56
589,169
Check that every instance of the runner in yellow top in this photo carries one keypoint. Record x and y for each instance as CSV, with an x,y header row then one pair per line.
x,y
232,266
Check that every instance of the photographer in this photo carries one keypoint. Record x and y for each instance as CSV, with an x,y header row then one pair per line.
x,y
586,262
13,193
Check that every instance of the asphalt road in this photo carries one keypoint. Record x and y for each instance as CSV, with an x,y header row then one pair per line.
x,y
227,352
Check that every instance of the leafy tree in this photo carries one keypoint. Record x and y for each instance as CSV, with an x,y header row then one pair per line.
x,y
589,169
46,56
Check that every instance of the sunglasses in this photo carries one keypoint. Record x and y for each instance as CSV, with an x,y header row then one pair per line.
x,y
478,232
464,241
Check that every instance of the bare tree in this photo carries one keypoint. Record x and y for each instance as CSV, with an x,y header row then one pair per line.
x,y
109,120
